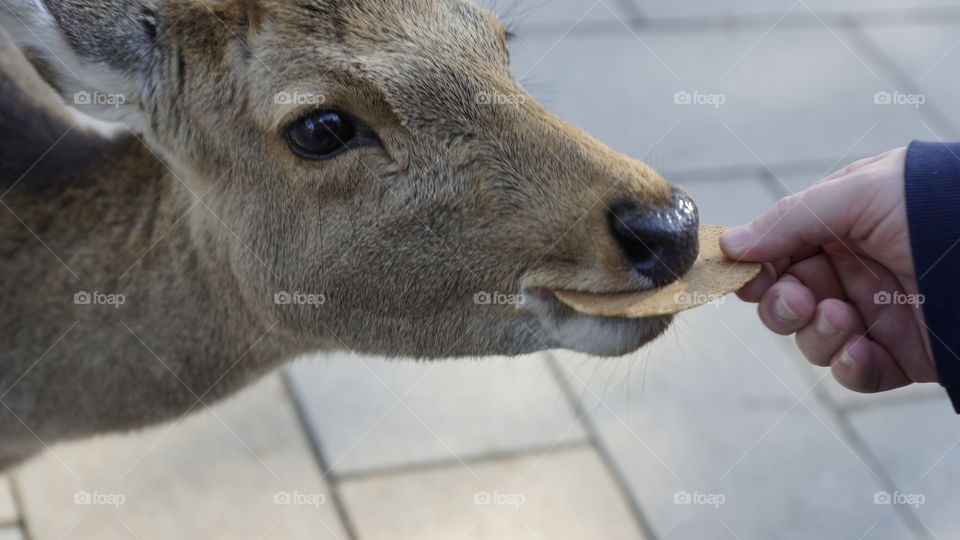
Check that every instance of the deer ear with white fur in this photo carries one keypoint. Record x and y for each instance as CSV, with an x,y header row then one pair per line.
x,y
98,55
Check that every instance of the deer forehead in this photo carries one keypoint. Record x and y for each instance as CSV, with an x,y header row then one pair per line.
x,y
413,54
424,61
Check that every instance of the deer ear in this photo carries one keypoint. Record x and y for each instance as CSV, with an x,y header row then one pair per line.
x,y
98,55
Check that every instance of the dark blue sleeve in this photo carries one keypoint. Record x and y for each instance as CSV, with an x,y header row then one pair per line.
x,y
933,211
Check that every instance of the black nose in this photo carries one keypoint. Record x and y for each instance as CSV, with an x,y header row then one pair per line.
x,y
660,243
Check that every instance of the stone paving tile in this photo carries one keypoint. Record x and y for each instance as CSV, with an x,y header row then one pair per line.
x,y
8,506
763,98
710,432
774,8
449,411
918,445
565,495
929,55
11,533
251,476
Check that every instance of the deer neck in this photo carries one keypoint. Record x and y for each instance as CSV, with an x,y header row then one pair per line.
x,y
115,312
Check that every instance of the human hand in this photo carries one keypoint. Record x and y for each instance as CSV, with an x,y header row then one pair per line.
x,y
839,273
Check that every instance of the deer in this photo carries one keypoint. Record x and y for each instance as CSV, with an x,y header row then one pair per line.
x,y
194,192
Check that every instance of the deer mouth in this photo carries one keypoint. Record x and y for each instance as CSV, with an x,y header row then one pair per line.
x,y
565,328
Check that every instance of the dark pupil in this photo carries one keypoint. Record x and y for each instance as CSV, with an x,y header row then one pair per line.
x,y
322,133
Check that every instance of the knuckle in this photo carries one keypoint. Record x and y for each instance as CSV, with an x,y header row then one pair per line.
x,y
784,206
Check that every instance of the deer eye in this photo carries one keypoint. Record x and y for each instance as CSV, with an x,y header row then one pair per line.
x,y
321,134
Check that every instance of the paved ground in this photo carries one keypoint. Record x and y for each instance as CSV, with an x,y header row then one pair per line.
x,y
719,430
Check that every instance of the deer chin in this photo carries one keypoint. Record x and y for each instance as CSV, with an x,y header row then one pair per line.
x,y
589,334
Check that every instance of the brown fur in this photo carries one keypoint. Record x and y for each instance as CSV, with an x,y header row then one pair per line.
x,y
204,215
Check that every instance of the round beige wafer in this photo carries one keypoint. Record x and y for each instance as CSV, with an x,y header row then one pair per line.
x,y
710,278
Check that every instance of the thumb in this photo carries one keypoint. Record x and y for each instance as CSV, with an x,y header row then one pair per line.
x,y
823,213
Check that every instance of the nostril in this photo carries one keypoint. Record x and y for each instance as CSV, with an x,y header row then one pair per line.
x,y
660,243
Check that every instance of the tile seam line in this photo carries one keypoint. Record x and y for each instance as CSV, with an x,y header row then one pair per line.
x,y
606,457
316,450
930,111
21,520
490,458
886,481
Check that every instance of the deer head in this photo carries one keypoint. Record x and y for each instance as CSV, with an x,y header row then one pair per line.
x,y
376,177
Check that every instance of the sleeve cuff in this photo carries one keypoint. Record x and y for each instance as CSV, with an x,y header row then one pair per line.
x,y
933,210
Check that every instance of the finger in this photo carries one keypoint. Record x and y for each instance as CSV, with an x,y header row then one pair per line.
x,y
865,366
890,313
812,269
787,306
856,165
820,276
816,272
753,291
835,321
813,217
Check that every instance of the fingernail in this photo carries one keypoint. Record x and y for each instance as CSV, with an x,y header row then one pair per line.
x,y
783,311
737,240
824,328
847,359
